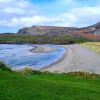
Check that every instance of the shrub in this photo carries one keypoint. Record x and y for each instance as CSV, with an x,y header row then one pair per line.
x,y
28,70
80,74
4,67
42,39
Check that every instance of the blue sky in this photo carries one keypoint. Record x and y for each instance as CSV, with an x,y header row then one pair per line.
x,y
16,14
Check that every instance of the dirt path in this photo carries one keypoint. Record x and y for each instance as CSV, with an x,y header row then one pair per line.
x,y
78,58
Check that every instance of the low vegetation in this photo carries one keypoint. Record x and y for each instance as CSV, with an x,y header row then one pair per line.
x,y
93,45
48,86
4,67
41,39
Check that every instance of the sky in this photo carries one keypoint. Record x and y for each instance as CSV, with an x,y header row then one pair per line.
x,y
16,14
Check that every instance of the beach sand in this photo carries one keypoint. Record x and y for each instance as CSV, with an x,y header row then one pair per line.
x,y
42,49
77,58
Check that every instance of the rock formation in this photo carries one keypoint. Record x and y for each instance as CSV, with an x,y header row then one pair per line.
x,y
92,32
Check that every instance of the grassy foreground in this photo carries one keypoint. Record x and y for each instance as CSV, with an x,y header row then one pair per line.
x,y
48,86
93,45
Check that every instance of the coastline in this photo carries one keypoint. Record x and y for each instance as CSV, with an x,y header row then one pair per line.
x,y
60,65
55,63
77,58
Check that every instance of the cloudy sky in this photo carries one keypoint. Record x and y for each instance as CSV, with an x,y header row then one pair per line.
x,y
15,14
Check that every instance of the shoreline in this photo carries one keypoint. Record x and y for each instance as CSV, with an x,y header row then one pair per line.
x,y
62,65
55,63
74,60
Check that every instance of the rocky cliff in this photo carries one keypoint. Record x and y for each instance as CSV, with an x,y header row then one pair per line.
x,y
92,32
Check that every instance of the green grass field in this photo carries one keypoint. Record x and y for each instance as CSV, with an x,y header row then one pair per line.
x,y
48,86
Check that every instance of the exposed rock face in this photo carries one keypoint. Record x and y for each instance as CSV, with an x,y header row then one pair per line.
x,y
92,32
46,30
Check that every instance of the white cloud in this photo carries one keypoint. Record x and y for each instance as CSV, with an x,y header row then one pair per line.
x,y
83,16
11,8
5,1
22,13
75,17
29,21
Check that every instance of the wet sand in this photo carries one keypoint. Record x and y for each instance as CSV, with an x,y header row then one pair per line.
x,y
42,49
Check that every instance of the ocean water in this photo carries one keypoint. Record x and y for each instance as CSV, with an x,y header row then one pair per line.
x,y
18,56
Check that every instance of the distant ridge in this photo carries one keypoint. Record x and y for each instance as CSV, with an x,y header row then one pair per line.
x,y
91,32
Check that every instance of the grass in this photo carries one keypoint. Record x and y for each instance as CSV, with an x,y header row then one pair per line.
x,y
48,86
93,45
41,39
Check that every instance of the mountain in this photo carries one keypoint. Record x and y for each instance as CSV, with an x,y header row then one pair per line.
x,y
91,32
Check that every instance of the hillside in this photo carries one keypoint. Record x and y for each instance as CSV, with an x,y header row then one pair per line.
x,y
91,32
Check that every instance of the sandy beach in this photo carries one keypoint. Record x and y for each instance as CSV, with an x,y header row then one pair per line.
x,y
42,49
77,58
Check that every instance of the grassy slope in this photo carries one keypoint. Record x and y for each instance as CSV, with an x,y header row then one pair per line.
x,y
93,45
47,86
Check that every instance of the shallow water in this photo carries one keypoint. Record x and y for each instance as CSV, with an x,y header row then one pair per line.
x,y
19,56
